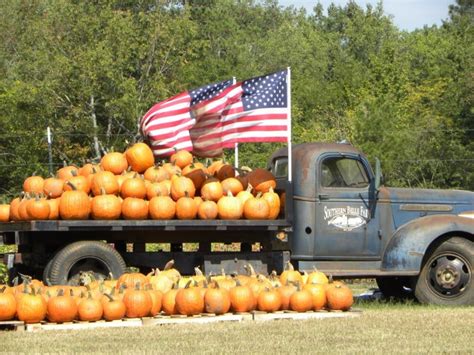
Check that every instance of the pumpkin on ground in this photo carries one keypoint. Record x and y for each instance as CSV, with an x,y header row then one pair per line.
x,y
4,212
138,302
269,300
114,309
90,309
61,307
189,301
290,275
217,300
31,307
241,298
7,304
339,297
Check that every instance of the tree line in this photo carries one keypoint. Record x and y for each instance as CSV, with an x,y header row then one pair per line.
x,y
91,69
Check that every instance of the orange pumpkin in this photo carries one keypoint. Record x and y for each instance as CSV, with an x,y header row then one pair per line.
x,y
130,280
140,157
318,294
230,207
339,297
74,205
180,186
53,187
285,293
108,207
133,187
156,174
273,202
114,309
53,208
61,308
104,180
208,210
114,162
269,300
80,182
134,208
241,298
181,158
67,172
162,207
7,304
301,300
256,208
189,301
38,209
217,300
169,301
233,185
33,184
137,302
31,307
212,190
4,213
90,309
14,205
186,208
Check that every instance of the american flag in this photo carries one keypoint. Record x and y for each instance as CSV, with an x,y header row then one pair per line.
x,y
257,113
167,123
217,116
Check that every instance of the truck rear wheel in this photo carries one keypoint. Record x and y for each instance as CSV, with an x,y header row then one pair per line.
x,y
446,277
85,256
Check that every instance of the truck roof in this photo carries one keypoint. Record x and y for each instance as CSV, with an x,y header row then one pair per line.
x,y
308,151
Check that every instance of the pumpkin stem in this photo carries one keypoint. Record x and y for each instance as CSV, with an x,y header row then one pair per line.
x,y
169,264
60,292
3,289
188,284
109,297
137,286
251,270
198,271
71,185
289,266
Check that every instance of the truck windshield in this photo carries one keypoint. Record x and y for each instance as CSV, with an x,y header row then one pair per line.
x,y
343,172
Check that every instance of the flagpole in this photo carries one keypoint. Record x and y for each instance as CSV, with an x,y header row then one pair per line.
x,y
288,95
236,145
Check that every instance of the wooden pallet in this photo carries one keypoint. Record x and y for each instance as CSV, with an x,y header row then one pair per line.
x,y
263,316
177,319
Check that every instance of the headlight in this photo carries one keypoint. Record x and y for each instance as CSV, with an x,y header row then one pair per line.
x,y
467,214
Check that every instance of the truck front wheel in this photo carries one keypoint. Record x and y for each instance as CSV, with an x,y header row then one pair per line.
x,y
446,277
94,257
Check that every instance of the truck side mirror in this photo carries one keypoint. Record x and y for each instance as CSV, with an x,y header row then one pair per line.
x,y
378,174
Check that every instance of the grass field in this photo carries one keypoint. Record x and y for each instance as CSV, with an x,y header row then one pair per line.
x,y
383,327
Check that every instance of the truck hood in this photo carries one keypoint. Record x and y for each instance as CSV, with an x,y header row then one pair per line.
x,y
428,196
409,204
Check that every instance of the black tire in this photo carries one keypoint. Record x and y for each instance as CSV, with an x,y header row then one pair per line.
x,y
447,275
395,286
98,257
47,271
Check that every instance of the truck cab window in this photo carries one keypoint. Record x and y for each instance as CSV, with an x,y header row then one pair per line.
x,y
343,172
280,167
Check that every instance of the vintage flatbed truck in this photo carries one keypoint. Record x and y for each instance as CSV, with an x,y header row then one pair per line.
x,y
337,218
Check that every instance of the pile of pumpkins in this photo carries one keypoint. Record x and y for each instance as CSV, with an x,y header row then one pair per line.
x,y
167,292
130,186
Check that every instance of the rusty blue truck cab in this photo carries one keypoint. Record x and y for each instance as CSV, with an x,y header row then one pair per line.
x,y
346,224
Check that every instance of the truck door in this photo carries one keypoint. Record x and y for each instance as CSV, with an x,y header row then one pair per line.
x,y
344,225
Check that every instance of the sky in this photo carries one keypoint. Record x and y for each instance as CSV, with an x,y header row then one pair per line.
x,y
407,14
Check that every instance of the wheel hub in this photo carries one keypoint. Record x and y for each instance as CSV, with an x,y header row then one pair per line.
x,y
449,275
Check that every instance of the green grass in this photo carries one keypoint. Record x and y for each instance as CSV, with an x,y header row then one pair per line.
x,y
382,328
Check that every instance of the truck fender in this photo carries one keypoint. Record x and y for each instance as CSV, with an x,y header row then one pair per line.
x,y
408,246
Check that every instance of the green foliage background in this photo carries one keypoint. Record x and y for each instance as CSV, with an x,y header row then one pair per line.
x,y
405,97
